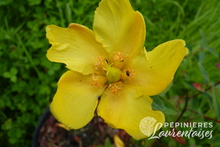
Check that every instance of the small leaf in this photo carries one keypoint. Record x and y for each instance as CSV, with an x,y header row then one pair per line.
x,y
201,56
107,143
6,74
161,104
3,117
13,71
167,89
32,3
216,101
204,73
215,140
68,13
5,2
211,51
203,38
13,79
204,44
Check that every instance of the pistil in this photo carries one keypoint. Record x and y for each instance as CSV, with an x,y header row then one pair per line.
x,y
113,74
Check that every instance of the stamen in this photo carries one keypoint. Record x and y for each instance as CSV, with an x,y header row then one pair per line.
x,y
119,56
128,74
96,81
102,62
114,87
106,60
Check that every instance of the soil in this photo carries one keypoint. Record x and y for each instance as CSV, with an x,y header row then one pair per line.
x,y
92,135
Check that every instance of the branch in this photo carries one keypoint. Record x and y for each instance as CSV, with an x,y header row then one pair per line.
x,y
205,116
200,92
184,109
187,98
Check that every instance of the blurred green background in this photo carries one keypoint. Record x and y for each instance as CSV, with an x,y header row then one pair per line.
x,y
28,80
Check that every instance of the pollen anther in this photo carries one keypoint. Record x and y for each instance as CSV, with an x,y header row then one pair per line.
x,y
114,87
95,81
119,56
102,62
128,74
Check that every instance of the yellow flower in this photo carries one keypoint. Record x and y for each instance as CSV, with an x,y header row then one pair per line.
x,y
110,70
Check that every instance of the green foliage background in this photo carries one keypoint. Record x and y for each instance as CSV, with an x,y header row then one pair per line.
x,y
28,79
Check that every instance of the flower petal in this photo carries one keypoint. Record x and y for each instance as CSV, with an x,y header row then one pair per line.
x,y
124,111
76,99
75,46
119,27
154,73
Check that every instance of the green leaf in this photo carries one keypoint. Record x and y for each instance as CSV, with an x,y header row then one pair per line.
x,y
32,3
211,51
201,56
108,143
5,2
6,74
167,89
13,71
203,38
204,73
3,117
204,45
215,140
161,104
68,13
13,79
216,101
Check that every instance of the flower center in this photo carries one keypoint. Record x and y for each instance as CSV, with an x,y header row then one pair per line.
x,y
111,69
113,74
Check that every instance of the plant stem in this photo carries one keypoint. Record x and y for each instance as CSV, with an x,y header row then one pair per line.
x,y
184,109
205,116
28,56
200,92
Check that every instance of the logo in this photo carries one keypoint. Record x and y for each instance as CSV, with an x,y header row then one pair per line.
x,y
149,127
